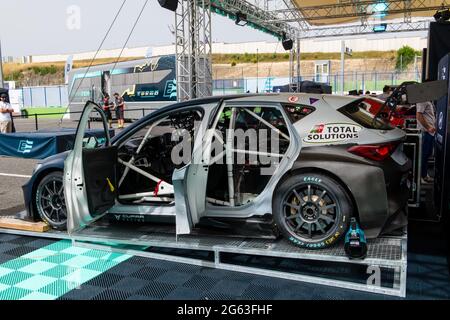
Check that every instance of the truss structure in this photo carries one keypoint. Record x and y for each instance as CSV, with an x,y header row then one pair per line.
x,y
193,49
365,9
259,15
294,67
279,17
351,30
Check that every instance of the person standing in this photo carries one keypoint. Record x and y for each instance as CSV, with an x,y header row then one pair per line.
x,y
386,93
107,105
426,119
120,107
5,114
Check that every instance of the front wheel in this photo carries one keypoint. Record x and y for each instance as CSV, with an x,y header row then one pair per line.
x,y
312,210
50,201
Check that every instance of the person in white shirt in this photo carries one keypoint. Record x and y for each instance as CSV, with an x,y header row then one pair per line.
x,y
5,115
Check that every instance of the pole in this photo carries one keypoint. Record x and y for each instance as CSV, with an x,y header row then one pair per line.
x,y
2,84
298,64
257,71
342,65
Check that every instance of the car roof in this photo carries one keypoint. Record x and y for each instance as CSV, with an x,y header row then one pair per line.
x,y
334,101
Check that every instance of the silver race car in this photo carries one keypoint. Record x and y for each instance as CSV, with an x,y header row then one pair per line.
x,y
299,165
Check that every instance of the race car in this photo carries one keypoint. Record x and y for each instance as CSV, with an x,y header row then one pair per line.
x,y
296,165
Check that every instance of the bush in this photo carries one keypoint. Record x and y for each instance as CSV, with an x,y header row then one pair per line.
x,y
405,56
233,63
43,71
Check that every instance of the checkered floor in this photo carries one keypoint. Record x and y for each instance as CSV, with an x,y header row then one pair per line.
x,y
53,270
32,268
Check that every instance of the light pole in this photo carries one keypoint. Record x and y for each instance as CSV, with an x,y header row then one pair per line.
x,y
257,71
2,84
342,65
344,51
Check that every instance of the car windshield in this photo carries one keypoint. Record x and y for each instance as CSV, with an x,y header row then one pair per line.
x,y
358,113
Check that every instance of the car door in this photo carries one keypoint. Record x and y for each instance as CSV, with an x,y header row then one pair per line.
x,y
89,175
191,182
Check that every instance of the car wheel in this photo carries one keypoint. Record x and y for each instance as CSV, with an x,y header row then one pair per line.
x,y
312,210
50,201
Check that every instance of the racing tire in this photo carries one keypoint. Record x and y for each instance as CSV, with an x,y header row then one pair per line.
x,y
50,202
312,210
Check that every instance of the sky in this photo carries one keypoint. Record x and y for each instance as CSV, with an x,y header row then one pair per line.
x,y
30,27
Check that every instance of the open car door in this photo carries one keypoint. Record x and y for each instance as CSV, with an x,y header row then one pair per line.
x,y
89,175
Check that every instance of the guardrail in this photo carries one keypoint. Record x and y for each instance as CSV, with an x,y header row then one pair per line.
x,y
39,116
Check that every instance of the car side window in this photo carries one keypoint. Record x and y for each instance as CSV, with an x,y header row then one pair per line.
x,y
242,166
297,112
146,159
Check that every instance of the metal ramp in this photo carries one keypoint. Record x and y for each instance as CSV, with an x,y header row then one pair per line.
x,y
387,256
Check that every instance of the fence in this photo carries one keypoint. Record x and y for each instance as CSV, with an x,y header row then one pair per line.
x,y
366,81
57,96
49,96
49,121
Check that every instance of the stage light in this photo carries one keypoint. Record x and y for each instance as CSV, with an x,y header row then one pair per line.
x,y
380,27
288,44
241,19
171,5
442,15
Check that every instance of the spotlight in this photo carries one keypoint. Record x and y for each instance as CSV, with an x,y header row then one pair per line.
x,y
288,44
442,15
380,27
241,19
171,5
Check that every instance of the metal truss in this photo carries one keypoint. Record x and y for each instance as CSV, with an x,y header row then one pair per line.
x,y
364,9
193,49
260,18
350,30
294,67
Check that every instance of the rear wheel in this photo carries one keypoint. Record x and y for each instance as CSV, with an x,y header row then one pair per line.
x,y
312,210
50,201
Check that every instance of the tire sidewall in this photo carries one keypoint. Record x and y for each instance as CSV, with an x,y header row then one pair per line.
x,y
42,182
340,195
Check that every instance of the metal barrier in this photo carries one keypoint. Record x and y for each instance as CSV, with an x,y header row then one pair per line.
x,y
36,120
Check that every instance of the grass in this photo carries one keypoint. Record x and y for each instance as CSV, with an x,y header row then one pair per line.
x,y
280,57
14,71
46,113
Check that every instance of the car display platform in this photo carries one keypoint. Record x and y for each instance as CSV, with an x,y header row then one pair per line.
x,y
383,271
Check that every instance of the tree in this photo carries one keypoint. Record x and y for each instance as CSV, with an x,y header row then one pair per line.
x,y
405,56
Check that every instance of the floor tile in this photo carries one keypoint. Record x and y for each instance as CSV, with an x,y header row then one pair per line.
x,y
35,283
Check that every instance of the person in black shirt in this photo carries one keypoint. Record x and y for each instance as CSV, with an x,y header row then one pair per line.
x,y
120,107
107,105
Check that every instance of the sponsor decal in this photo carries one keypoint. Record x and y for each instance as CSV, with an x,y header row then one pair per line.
x,y
313,100
312,179
332,132
25,146
293,99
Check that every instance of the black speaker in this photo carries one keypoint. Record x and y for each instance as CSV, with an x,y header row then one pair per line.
x,y
424,64
172,5
288,44
442,147
438,47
